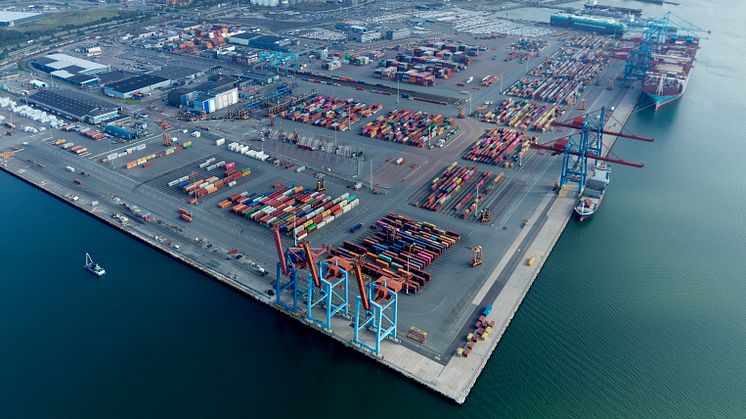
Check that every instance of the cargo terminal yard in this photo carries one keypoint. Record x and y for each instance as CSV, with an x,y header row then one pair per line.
x,y
407,219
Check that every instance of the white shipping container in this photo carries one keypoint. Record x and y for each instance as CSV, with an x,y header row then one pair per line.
x,y
232,183
220,141
112,156
142,147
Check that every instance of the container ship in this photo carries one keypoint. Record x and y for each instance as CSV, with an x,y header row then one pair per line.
x,y
669,69
593,193
600,25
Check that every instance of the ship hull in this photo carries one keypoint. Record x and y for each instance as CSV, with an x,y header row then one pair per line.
x,y
582,217
661,101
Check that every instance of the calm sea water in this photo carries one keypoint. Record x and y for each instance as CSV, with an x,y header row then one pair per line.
x,y
638,313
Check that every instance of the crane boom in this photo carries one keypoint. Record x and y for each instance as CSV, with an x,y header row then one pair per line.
x,y
577,125
557,148
311,263
280,251
361,285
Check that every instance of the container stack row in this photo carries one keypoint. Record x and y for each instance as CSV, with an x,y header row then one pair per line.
x,y
496,146
561,77
113,156
148,160
330,112
408,127
445,186
93,134
292,209
485,185
400,250
200,188
524,114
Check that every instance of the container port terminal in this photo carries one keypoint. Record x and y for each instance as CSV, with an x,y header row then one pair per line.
x,y
398,195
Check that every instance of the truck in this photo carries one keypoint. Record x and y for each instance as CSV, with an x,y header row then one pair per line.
x,y
356,227
357,185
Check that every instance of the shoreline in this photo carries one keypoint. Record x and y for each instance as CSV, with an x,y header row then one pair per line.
x,y
455,379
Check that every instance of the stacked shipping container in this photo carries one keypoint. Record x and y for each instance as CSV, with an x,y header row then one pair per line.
x,y
404,126
167,152
561,77
292,209
523,114
400,250
446,185
200,188
330,112
496,146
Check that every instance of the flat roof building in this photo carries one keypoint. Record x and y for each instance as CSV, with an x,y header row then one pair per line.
x,y
113,76
76,71
126,88
17,18
177,73
74,105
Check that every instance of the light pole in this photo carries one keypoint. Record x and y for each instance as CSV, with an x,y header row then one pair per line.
x,y
409,252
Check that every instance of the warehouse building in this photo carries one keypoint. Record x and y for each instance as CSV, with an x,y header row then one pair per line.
x,y
212,100
395,34
242,38
368,36
215,94
269,42
17,18
74,105
113,77
214,82
71,69
134,86
178,74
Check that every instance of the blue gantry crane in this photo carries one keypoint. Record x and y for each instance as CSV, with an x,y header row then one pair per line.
x,y
587,143
655,34
291,261
276,61
327,290
376,311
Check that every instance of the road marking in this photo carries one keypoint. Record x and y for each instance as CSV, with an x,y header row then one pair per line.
x,y
128,145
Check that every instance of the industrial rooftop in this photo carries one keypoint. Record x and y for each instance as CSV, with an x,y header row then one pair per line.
x,y
71,103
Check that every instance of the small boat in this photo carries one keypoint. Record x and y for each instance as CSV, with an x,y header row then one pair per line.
x,y
92,267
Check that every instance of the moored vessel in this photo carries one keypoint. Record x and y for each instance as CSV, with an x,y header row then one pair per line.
x,y
593,194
